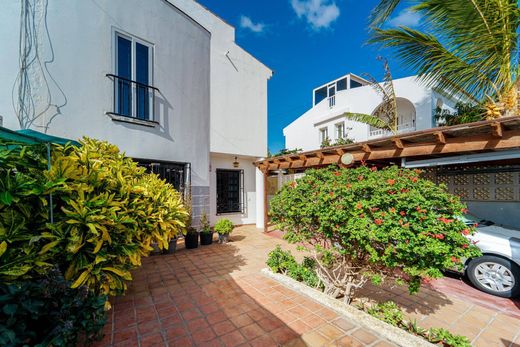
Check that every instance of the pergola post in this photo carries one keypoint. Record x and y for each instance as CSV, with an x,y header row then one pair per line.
x,y
260,192
265,203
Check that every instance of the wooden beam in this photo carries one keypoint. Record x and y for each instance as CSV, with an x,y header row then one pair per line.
x,y
398,143
496,129
439,135
476,143
340,151
366,148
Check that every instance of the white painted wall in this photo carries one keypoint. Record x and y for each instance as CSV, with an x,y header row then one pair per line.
x,y
81,33
304,131
238,89
224,161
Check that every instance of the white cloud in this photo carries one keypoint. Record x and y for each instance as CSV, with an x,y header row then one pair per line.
x,y
318,13
405,18
247,23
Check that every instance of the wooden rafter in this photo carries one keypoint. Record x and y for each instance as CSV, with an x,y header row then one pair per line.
x,y
398,143
496,129
484,136
439,135
476,143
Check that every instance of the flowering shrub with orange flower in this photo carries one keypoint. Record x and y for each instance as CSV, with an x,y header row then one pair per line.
x,y
369,224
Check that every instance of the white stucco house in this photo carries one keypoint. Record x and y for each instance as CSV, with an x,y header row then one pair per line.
x,y
162,79
416,105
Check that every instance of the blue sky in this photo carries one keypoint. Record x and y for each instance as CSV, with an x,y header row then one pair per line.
x,y
306,43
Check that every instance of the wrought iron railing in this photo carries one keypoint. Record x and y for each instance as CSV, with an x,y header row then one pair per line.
x,y
133,99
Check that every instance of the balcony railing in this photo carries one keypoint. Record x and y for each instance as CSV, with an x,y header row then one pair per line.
x,y
401,128
332,101
133,99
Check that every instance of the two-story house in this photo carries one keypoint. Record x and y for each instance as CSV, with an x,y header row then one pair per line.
x,y
416,104
162,79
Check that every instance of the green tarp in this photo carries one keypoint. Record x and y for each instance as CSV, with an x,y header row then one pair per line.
x,y
31,137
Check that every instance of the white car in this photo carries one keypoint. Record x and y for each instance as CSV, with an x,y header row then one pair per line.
x,y
497,271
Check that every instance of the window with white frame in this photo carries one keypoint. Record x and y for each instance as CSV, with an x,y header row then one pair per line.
x,y
133,79
340,130
324,134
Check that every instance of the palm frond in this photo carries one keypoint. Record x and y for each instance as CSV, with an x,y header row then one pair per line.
x,y
435,64
372,120
481,32
382,12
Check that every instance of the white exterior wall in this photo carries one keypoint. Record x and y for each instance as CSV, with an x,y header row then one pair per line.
x,y
82,38
238,125
223,161
304,131
213,94
238,89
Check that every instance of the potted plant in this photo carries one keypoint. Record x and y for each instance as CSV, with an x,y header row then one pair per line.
x,y
172,246
206,234
223,227
191,239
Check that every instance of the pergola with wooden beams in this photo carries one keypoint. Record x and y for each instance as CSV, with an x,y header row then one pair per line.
x,y
478,137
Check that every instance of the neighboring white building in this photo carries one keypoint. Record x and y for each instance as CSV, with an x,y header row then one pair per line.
x,y
162,79
416,105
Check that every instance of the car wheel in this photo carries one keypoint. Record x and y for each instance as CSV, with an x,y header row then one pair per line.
x,y
495,275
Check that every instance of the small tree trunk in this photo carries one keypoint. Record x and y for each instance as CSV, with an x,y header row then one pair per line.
x,y
349,294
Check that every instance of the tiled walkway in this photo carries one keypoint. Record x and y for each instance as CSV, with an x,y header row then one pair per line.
x,y
216,296
453,304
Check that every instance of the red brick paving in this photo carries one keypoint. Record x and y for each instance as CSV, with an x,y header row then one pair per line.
x,y
216,296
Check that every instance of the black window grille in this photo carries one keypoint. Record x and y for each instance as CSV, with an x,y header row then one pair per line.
x,y
230,191
177,174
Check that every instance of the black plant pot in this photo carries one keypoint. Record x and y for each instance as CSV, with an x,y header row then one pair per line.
x,y
172,247
206,238
223,238
156,250
191,240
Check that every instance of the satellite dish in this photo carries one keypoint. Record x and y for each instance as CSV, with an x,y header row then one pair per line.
x,y
347,159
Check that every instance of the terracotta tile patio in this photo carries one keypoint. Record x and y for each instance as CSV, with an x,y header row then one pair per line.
x,y
216,296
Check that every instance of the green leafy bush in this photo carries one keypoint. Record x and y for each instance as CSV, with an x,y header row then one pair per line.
x,y
388,312
464,113
47,312
110,213
281,261
365,223
224,226
392,314
25,247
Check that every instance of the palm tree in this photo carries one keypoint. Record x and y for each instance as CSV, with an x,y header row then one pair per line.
x,y
385,116
465,47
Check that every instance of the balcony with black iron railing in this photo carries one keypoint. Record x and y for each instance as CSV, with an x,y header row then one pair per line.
x,y
133,101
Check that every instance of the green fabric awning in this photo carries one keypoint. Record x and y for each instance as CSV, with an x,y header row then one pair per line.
x,y
11,136
46,138
32,137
